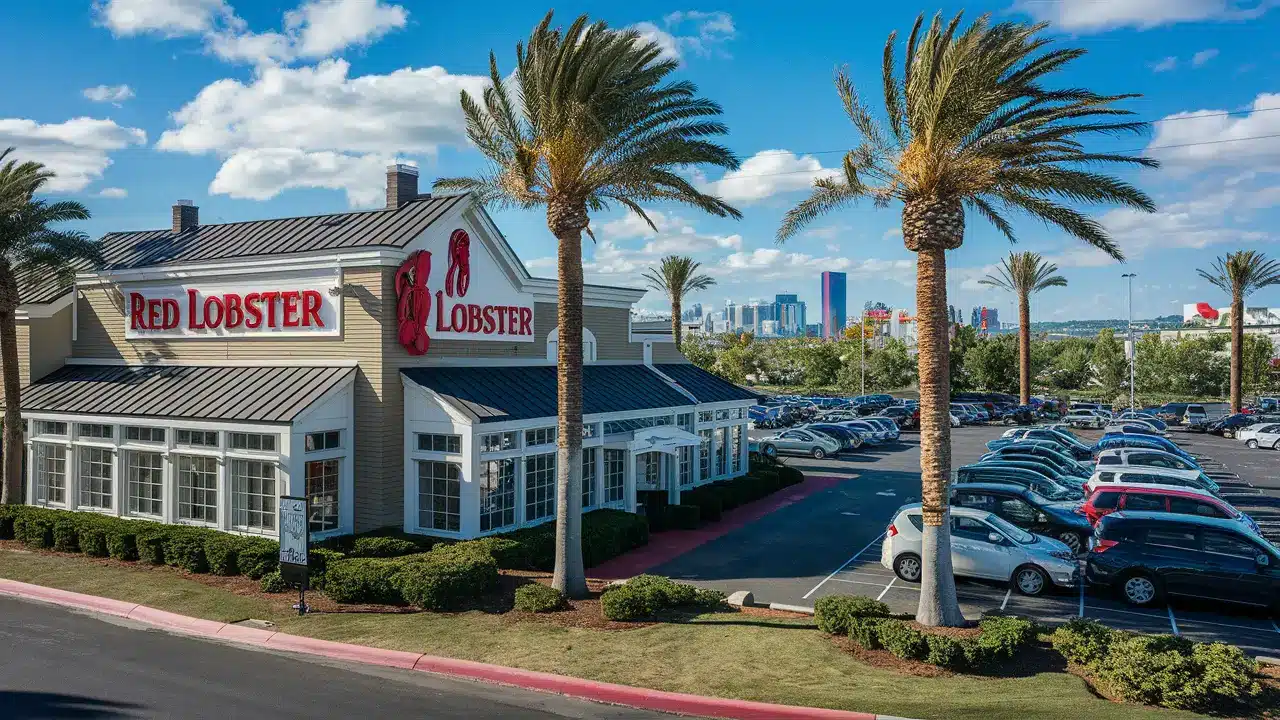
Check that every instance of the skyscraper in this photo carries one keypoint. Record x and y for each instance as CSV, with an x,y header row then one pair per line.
x,y
834,304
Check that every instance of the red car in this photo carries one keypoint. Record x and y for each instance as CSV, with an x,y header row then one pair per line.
x,y
1111,497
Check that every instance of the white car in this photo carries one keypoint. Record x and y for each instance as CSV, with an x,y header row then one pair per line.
x,y
955,421
983,545
1084,419
1119,426
1146,475
1194,414
1260,435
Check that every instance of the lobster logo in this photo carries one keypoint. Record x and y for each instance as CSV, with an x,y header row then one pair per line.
x,y
458,279
413,301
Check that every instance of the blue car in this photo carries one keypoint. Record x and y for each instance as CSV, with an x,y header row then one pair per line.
x,y
1041,449
849,439
1111,441
1069,443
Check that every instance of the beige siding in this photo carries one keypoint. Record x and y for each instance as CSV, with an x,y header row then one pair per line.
x,y
24,355
666,353
50,343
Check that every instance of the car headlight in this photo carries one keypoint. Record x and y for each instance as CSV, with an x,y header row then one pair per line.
x,y
1063,554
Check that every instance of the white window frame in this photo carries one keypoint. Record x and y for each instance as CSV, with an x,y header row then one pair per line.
x,y
546,492
247,527
589,352
84,488
130,455
41,475
177,439
307,463
449,439
177,460
511,495
150,429
450,484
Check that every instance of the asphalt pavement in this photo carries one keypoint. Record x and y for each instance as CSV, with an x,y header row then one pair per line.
x,y
57,664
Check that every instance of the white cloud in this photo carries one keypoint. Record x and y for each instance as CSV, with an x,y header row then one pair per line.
x,y
768,173
1165,65
166,17
1209,138
1100,16
261,174
775,264
893,233
114,94
77,150
704,33
113,193
1203,57
284,111
828,232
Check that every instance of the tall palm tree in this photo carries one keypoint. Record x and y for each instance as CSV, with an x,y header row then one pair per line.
x,y
970,126
29,249
1023,273
1239,274
677,276
592,120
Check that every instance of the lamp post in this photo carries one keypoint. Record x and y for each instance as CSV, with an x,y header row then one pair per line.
x,y
862,341
1133,348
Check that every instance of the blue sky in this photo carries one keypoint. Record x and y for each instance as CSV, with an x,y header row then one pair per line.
x,y
257,109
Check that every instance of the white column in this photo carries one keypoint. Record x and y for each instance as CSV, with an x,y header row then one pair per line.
x,y
629,484
224,490
73,474
469,486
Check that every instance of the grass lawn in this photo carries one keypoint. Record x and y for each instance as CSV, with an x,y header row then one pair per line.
x,y
729,655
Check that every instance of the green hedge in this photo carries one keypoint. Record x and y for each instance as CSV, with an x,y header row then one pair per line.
x,y
683,517
648,596
606,534
382,547
834,613
538,598
761,480
446,578
273,583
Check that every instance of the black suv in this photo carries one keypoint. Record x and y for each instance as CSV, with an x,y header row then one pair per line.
x,y
1028,510
904,416
1144,556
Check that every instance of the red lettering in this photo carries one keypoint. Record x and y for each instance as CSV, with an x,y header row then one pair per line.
x,y
312,301
137,305
193,318
458,316
253,310
489,323
235,315
526,317
290,298
212,320
474,322
270,299
440,312
153,313
171,313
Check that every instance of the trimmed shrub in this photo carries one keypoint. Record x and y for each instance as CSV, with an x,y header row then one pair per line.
x,y
382,547
944,651
273,583
1082,641
447,577
319,560
624,604
34,530
902,640
1004,635
258,557
1177,673
708,599
66,535
683,517
789,476
710,504
661,592
151,540
93,541
122,540
222,553
538,598
606,534
363,580
184,548
648,595
509,554
833,613
8,513
866,631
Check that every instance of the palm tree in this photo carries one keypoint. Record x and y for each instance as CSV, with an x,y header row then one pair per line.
x,y
1239,274
29,249
970,125
1024,273
677,276
592,120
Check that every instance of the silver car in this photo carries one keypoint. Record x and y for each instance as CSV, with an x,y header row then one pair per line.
x,y
800,442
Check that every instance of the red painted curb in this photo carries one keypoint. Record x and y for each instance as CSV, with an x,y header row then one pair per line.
x,y
530,680
670,544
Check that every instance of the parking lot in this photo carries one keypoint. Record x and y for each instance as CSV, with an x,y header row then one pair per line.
x,y
829,543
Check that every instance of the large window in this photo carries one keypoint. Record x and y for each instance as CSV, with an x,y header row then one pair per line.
x,y
144,434
253,494
197,438
539,486
617,427
737,448
686,466
197,488
615,476
497,442
722,451
440,443
649,470
51,473
146,483
327,440
322,493
497,494
541,436
51,427
97,469
252,442
95,430
588,477
704,454
439,490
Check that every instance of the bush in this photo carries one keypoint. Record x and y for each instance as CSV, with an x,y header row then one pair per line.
x,y
902,640
624,604
710,505
508,553
382,547
538,598
447,578
1081,641
222,553
184,548
789,475
8,513
833,613
258,557
1177,673
273,583
318,562
122,540
35,530
1004,635
66,535
606,534
661,592
707,599
151,540
945,651
646,596
866,631
93,541
683,517
363,580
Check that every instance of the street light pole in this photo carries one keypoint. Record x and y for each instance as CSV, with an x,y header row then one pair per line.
x,y
1133,348
862,340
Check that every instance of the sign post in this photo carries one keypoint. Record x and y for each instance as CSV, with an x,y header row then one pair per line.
x,y
294,540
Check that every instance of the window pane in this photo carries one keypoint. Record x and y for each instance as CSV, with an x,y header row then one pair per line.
x,y
615,476
736,448
97,470
440,443
704,454
197,488
253,494
497,494
439,493
322,478
686,466
95,430
51,474
722,452
1185,539
1153,503
539,486
588,477
1229,544
146,483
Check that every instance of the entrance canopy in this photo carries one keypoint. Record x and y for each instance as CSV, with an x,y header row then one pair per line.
x,y
663,439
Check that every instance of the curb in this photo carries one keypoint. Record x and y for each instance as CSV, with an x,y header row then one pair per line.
x,y
609,693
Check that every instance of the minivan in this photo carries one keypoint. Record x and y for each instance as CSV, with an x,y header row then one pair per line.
x,y
1149,476
1194,414
1113,497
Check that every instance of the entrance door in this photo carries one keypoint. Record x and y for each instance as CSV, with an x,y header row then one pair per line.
x,y
649,471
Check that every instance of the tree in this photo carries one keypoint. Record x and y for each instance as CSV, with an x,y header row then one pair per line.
x,y
676,277
993,362
1110,368
700,352
1024,273
890,367
29,248
1239,274
1070,369
972,124
1256,374
594,121
958,377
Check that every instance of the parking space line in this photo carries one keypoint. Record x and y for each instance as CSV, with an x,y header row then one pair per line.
x,y
1081,598
1274,625
1173,623
886,588
1007,593
845,565
1125,612
861,582
1233,626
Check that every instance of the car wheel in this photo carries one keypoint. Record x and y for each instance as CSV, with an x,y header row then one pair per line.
x,y
1030,580
818,453
770,451
1072,540
1140,589
1251,444
907,567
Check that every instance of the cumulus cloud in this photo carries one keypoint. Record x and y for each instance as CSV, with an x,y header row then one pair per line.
x,y
1203,57
114,94
77,150
768,173
1094,16
1209,138
776,264
689,32
261,174
113,193
165,17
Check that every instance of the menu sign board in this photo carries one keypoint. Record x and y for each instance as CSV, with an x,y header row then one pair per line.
x,y
294,538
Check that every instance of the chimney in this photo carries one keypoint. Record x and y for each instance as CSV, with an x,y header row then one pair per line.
x,y
186,216
402,185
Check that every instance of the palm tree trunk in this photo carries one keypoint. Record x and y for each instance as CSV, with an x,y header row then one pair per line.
x,y
12,490
1237,349
675,321
566,222
1024,349
938,603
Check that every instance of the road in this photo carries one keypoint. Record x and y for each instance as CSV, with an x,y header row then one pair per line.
x,y
58,665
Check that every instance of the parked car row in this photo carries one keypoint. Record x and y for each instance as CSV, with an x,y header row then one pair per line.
x,y
830,437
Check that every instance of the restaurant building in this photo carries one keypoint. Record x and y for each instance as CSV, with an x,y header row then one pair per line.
x,y
395,366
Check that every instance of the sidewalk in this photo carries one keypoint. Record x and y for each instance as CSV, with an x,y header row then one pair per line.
x,y
677,703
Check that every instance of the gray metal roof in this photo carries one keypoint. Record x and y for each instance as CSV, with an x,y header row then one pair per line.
x,y
145,248
707,387
244,394
499,394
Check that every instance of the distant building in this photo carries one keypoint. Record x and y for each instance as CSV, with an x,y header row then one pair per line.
x,y
834,303
814,330
693,312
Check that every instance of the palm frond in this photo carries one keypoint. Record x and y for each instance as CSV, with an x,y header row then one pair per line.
x,y
1241,273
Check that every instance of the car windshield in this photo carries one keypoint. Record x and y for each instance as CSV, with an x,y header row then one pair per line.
x,y
1018,534
1053,492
